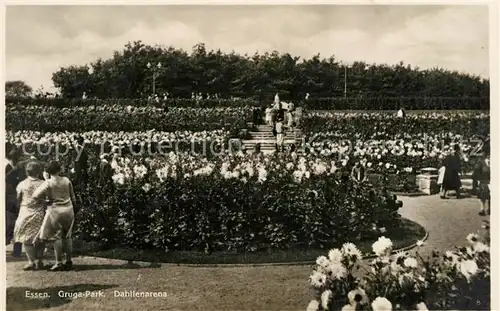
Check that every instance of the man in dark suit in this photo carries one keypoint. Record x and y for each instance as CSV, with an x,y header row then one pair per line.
x,y
80,163
105,181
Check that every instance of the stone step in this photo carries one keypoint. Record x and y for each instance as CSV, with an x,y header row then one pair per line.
x,y
270,129
261,142
271,133
290,136
268,141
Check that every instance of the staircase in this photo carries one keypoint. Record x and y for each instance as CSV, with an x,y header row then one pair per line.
x,y
263,134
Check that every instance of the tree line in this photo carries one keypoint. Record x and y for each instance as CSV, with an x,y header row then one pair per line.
x,y
181,74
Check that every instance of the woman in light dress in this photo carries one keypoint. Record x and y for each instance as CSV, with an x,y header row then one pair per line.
x,y
59,217
31,215
289,118
269,117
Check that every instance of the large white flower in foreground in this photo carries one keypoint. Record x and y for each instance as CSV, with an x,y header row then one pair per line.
x,y
348,308
349,249
336,270
358,296
381,304
317,279
410,262
325,298
335,255
313,306
422,307
468,268
382,246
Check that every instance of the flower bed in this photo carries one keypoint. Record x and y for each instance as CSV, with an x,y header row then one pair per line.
x,y
180,103
382,142
138,144
117,118
458,279
235,202
404,236
384,125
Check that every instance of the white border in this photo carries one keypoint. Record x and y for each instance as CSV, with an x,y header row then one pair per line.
x,y
493,72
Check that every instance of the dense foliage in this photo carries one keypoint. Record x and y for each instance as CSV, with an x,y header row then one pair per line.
x,y
126,75
17,89
236,201
338,103
117,118
379,141
456,280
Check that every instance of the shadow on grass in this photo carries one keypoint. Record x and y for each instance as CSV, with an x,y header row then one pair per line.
x,y
21,298
88,267
404,236
112,267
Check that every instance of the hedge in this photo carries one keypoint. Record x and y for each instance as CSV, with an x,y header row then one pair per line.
x,y
339,103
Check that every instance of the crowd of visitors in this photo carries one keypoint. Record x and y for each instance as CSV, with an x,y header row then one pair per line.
x,y
281,116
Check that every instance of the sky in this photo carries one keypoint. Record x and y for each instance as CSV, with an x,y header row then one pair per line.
x,y
41,39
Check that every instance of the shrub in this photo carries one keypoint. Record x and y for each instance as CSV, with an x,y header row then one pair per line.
x,y
242,206
458,279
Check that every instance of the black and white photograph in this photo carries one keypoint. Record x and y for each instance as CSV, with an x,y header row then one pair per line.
x,y
272,156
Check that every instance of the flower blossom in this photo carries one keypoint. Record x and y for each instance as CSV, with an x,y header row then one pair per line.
x,y
335,255
325,298
381,304
313,305
382,246
468,268
357,296
317,279
410,262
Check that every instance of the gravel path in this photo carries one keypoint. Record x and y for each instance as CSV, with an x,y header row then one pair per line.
x,y
189,288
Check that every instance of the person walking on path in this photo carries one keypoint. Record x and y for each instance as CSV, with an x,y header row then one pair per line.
x,y
59,218
483,178
31,215
451,178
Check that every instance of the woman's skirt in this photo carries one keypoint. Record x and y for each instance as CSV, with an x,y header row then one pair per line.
x,y
28,224
484,191
451,180
58,223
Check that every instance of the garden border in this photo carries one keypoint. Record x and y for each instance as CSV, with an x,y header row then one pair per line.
x,y
409,194
145,264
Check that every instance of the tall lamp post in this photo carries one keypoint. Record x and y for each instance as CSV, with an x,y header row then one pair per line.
x,y
155,74
345,81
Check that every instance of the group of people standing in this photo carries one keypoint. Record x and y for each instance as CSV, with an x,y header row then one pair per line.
x,y
449,176
40,205
282,116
